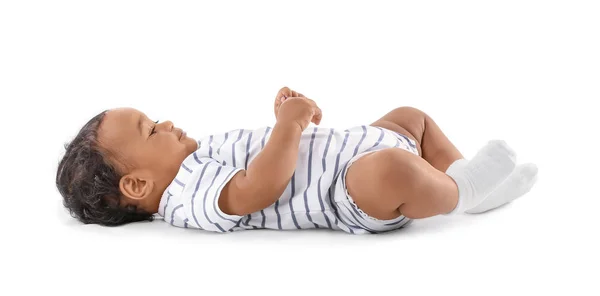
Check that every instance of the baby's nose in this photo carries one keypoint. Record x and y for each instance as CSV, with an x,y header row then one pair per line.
x,y
168,125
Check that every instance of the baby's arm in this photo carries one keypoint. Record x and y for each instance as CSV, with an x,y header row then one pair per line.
x,y
269,173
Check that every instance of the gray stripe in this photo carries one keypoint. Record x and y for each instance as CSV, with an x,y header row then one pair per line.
x,y
293,185
210,139
343,176
194,195
344,182
349,223
262,146
217,197
395,223
312,141
378,140
361,140
408,140
185,223
204,200
337,215
351,228
186,168
358,220
337,163
264,218
179,182
173,213
324,164
226,136
247,220
277,212
264,137
335,221
337,160
196,158
233,146
248,151
395,138
167,203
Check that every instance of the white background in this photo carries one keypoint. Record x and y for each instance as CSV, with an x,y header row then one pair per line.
x,y
527,72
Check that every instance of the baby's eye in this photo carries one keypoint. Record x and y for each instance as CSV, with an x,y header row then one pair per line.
x,y
152,132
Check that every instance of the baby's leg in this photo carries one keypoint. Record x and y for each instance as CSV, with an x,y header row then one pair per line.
x,y
479,181
433,145
391,182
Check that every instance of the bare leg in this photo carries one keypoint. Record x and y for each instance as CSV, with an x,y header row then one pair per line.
x,y
393,181
433,146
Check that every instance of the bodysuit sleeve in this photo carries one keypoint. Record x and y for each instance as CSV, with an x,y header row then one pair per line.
x,y
202,181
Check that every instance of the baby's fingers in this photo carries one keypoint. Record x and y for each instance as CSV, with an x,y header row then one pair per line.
x,y
284,92
318,115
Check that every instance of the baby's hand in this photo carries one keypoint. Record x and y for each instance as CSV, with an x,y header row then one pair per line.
x,y
294,107
284,93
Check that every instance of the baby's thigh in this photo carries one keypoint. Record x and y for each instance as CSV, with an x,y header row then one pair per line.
x,y
376,181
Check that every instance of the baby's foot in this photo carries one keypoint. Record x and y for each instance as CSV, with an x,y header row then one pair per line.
x,y
519,182
482,174
491,165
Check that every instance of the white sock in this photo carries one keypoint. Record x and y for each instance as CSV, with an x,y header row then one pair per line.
x,y
482,174
519,182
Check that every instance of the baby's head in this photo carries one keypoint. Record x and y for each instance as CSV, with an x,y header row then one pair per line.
x,y
117,167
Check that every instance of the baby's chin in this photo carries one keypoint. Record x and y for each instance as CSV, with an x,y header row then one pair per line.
x,y
190,143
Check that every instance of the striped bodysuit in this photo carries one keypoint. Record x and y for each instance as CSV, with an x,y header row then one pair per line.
x,y
314,198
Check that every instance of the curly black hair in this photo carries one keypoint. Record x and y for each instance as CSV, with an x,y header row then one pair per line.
x,y
89,183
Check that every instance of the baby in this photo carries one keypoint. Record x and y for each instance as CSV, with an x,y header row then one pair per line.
x,y
122,167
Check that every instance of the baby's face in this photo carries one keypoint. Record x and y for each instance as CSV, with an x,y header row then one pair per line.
x,y
144,147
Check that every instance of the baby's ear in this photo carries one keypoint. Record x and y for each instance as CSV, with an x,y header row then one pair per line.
x,y
135,187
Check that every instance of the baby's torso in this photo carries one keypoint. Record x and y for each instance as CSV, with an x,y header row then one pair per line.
x,y
307,200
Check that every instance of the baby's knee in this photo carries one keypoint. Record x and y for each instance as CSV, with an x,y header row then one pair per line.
x,y
408,110
411,119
